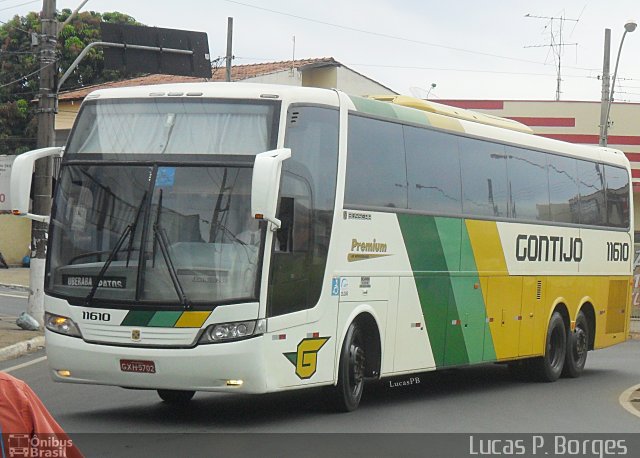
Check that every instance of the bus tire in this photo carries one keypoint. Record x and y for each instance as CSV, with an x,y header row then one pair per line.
x,y
176,397
548,368
351,370
577,348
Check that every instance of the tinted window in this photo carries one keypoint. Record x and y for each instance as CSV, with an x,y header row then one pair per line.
x,y
563,189
306,210
484,178
529,184
160,125
433,171
617,196
591,186
376,170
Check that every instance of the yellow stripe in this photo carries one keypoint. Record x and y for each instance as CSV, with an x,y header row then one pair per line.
x,y
192,319
502,293
487,248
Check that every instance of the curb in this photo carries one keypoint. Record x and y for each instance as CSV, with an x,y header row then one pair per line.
x,y
24,289
21,348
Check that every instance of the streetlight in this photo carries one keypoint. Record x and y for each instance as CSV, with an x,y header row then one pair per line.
x,y
607,98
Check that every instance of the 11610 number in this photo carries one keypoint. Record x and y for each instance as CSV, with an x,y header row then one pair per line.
x,y
96,316
617,251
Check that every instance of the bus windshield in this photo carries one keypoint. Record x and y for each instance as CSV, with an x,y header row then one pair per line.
x,y
152,233
153,203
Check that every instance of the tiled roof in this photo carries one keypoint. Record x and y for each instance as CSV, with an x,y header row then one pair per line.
x,y
238,73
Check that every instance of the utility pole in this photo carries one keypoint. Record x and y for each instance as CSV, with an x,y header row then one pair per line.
x,y
229,46
42,185
605,87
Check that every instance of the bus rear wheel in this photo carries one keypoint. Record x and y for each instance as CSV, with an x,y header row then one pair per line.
x,y
577,348
351,370
176,397
549,367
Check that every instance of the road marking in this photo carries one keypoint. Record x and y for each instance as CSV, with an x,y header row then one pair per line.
x,y
23,365
626,403
14,296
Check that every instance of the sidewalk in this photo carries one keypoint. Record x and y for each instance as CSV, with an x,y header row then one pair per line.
x,y
15,342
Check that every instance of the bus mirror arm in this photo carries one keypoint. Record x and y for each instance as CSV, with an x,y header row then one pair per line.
x,y
21,178
274,223
265,186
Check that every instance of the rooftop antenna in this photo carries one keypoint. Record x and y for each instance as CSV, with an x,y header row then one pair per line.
x,y
557,44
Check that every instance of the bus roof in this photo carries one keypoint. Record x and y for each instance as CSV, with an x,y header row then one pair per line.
x,y
402,108
453,112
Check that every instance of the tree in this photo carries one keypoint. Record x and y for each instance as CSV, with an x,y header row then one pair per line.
x,y
19,67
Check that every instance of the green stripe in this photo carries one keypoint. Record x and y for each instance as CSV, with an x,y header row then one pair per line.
x,y
429,264
476,300
374,107
137,318
449,288
412,115
164,319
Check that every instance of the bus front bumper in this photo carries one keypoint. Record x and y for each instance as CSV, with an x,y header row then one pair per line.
x,y
227,367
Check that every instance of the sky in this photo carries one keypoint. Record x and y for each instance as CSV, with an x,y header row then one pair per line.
x,y
468,49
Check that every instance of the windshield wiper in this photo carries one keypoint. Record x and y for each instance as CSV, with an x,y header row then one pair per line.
x,y
130,230
163,242
107,263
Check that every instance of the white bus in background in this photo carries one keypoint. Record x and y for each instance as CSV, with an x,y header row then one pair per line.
x,y
257,238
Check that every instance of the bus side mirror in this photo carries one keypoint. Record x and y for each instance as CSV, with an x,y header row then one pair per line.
x,y
21,176
265,185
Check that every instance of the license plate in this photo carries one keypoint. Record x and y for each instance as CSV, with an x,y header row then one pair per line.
x,y
143,367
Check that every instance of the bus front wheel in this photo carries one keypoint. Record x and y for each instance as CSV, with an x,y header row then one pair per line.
x,y
351,370
549,367
177,397
577,348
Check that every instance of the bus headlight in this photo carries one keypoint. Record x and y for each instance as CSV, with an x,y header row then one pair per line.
x,y
61,325
239,330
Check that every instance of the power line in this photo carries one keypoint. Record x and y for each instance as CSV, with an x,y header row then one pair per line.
x,y
19,4
416,67
394,37
24,77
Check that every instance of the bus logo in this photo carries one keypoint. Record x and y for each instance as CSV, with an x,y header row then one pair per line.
x,y
19,445
306,358
363,251
135,335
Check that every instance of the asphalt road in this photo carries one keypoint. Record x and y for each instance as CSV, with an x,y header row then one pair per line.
x,y
474,400
12,303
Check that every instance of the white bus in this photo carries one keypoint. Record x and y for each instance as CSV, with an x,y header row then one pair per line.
x,y
258,238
